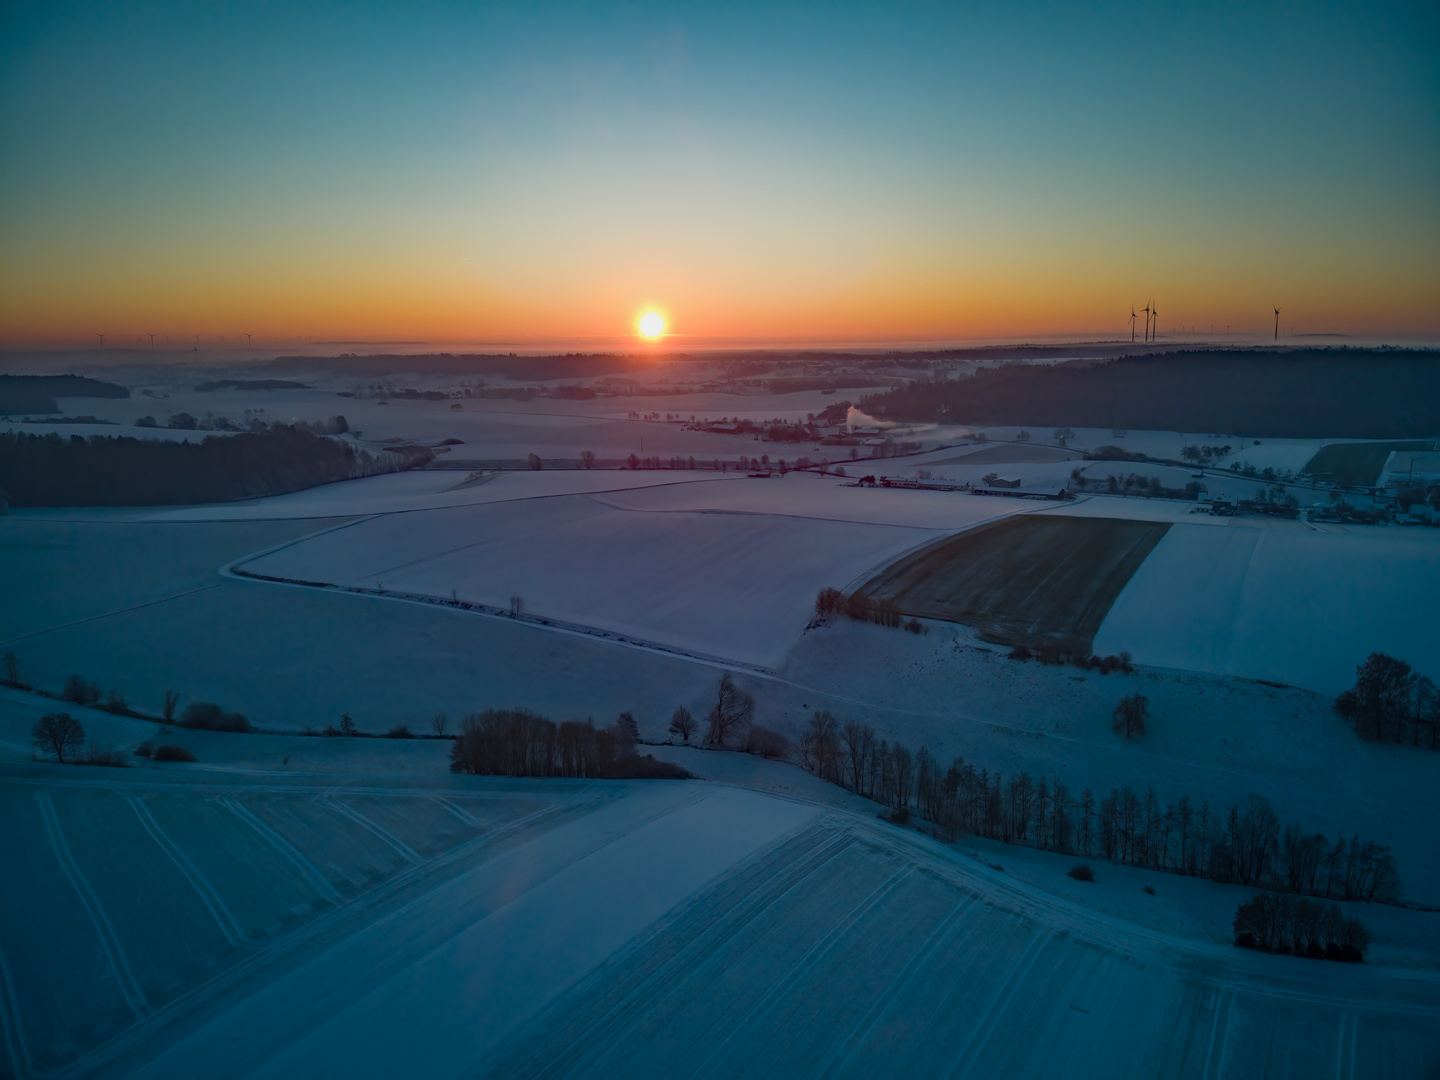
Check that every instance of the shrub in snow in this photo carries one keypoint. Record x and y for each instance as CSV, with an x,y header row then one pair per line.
x,y
399,731
169,752
145,749
107,756
766,743
207,716
644,768
1082,873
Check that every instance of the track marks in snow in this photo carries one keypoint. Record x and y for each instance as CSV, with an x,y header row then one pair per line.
x,y
404,850
119,967
307,869
229,925
790,980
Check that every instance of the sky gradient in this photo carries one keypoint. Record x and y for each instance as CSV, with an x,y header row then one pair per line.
x,y
544,173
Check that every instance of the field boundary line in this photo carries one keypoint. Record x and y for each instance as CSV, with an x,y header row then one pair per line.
x,y
109,940
487,611
110,614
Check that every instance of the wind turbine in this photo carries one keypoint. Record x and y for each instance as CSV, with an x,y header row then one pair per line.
x,y
247,340
1155,314
1146,309
102,339
1277,324
152,341
1133,317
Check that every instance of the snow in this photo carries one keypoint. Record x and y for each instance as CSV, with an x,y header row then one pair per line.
x,y
725,567
1294,604
457,1001
342,922
424,489
739,586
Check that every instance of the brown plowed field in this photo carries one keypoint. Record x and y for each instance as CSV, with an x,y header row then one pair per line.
x,y
1032,579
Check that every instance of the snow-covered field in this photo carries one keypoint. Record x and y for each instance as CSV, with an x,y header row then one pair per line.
x,y
719,568
252,919
1293,603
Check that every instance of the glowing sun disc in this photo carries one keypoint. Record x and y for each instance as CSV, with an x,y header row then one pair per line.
x,y
651,325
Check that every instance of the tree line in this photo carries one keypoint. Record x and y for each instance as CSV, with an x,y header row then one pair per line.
x,y
518,742
37,393
1243,843
50,470
1304,393
1299,927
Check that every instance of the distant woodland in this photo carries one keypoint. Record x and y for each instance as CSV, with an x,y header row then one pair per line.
x,y
53,470
1305,393
37,393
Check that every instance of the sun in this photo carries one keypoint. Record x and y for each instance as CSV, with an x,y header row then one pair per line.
x,y
652,325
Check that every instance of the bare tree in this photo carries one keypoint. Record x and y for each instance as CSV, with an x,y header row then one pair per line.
x,y
58,733
626,733
534,462
820,747
12,670
587,459
438,723
859,746
172,699
1130,715
733,709
682,723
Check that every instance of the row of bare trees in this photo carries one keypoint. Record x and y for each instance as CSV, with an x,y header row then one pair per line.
x,y
518,742
882,610
1244,843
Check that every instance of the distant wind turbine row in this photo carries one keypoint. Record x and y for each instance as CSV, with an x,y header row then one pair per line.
x,y
1152,322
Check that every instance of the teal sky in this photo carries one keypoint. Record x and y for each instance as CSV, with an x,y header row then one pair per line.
x,y
458,171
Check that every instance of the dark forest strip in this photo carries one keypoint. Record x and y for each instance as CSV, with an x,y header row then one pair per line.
x,y
1307,393
52,470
